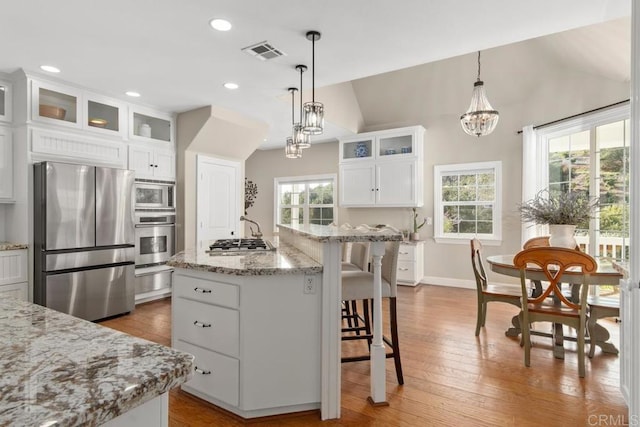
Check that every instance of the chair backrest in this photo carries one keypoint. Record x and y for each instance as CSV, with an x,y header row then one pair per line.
x,y
390,265
478,267
554,262
360,255
536,242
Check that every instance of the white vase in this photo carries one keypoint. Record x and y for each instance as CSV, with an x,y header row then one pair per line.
x,y
561,235
414,236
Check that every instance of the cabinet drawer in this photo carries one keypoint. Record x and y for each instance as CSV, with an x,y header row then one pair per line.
x,y
215,375
208,326
406,271
206,291
13,266
15,290
406,253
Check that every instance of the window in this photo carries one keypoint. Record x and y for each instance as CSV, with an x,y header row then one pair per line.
x,y
467,202
589,154
305,200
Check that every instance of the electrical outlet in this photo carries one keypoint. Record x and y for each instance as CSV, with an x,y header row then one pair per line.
x,y
309,285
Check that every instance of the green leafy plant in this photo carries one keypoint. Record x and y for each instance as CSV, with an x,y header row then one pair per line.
x,y
416,225
560,207
250,193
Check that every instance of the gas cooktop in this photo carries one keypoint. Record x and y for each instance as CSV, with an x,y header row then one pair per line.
x,y
227,246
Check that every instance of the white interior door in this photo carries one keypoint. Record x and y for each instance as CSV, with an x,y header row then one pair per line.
x,y
218,199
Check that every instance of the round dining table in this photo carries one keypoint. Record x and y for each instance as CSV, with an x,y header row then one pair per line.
x,y
605,274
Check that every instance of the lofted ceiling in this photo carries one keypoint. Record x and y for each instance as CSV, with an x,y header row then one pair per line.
x,y
166,50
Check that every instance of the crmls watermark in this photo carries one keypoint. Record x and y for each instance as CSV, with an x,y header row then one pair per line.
x,y
602,420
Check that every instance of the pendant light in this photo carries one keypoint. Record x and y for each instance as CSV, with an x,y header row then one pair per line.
x,y
291,150
480,119
300,138
313,122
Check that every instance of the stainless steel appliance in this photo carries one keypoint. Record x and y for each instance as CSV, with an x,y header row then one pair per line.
x,y
155,195
155,234
236,246
83,239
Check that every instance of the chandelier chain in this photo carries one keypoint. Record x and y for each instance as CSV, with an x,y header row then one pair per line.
x,y
478,65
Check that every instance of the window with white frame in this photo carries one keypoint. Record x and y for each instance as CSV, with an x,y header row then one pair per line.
x,y
305,200
588,154
467,202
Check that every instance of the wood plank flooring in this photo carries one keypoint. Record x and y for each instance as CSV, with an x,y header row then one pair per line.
x,y
451,377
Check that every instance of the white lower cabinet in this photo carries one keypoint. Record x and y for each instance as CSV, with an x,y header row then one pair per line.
x,y
410,263
256,340
13,274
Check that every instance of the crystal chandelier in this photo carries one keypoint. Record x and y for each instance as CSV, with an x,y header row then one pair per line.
x,y
480,119
313,122
300,138
291,150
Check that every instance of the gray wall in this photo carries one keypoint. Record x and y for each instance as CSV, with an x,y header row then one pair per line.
x,y
522,84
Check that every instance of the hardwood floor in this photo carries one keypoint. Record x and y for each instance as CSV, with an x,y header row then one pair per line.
x,y
451,377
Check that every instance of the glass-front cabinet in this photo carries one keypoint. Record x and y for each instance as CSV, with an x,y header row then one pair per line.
x,y
150,125
105,115
386,144
6,93
56,104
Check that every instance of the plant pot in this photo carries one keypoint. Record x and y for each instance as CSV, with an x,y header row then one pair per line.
x,y
414,236
562,235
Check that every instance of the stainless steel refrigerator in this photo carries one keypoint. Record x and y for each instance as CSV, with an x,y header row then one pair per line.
x,y
84,248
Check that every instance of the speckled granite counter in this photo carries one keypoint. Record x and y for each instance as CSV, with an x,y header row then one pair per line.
x,y
58,370
8,246
326,233
284,260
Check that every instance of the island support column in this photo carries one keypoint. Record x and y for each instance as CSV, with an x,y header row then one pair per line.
x,y
331,330
378,353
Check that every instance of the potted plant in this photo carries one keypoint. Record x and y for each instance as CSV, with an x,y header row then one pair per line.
x,y
562,211
417,225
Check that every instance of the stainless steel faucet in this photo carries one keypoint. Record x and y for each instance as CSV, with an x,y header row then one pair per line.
x,y
256,234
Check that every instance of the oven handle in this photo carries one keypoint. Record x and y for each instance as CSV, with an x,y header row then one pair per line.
x,y
154,224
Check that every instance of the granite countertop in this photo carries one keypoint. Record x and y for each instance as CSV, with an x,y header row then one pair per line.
x,y
329,233
284,260
64,371
8,246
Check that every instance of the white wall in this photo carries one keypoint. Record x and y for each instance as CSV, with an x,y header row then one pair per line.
x,y
524,86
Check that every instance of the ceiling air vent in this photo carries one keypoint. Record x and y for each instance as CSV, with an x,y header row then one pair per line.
x,y
263,51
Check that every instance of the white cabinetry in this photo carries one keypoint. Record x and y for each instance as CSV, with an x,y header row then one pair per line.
x,y
13,274
6,165
410,263
251,358
382,168
151,126
152,163
6,95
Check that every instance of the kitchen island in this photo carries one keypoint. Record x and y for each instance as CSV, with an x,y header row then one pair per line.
x,y
252,320
265,327
58,370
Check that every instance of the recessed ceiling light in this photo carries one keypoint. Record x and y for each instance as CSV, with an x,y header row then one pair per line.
x,y
220,24
133,94
50,68
231,85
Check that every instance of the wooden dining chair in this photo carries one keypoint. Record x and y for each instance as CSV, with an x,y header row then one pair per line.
x,y
554,261
358,286
487,292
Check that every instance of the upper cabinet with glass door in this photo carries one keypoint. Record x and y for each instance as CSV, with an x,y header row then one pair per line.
x,y
56,104
387,144
105,115
6,93
151,126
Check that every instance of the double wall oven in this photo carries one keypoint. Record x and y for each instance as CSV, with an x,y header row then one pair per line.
x,y
155,216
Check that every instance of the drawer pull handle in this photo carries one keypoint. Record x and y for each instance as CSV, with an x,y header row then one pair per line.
x,y
202,290
403,269
403,253
201,372
202,325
